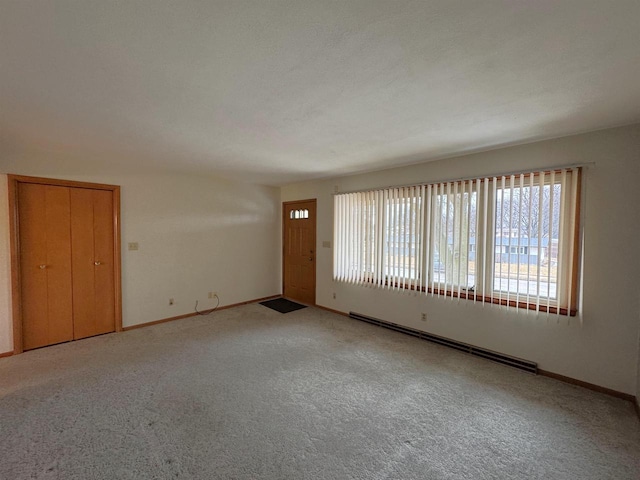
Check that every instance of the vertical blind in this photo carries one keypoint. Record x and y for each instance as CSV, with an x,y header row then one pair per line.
x,y
509,240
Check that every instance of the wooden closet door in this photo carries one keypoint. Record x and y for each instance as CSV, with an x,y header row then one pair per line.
x,y
93,253
45,264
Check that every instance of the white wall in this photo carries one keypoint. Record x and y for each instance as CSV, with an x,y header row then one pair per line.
x,y
604,349
195,235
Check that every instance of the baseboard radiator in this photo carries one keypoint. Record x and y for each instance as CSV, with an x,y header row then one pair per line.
x,y
508,360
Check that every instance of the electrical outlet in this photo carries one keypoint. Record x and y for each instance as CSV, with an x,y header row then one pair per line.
x,y
213,294
171,301
334,295
423,317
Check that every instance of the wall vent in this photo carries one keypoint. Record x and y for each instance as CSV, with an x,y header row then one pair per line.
x,y
508,360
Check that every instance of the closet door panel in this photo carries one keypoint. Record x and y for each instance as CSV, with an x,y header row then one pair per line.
x,y
93,253
82,238
104,257
33,254
45,254
59,261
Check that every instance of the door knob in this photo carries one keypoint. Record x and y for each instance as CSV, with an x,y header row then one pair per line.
x,y
97,263
42,267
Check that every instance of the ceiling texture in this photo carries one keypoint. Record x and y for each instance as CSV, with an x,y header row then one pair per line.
x,y
278,91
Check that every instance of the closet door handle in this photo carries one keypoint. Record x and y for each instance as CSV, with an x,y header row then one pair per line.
x,y
97,263
42,267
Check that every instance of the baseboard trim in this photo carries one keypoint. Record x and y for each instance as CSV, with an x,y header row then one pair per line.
x,y
158,322
338,312
587,385
194,314
6,354
556,376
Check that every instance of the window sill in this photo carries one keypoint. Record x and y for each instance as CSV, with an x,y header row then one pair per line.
x,y
551,309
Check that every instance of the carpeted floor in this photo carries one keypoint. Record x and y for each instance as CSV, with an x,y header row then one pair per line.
x,y
249,393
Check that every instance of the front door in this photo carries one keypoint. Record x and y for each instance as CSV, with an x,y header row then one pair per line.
x,y
299,250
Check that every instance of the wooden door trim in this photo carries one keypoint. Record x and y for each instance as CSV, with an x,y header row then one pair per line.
x,y
61,183
284,219
16,294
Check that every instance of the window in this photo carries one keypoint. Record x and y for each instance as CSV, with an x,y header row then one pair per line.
x,y
298,214
509,240
380,237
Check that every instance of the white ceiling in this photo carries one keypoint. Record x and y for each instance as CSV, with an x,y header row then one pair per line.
x,y
274,92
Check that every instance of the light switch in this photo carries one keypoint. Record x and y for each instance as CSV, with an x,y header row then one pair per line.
x,y
326,244
133,245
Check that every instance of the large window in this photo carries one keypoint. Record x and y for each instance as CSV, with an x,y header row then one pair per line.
x,y
379,235
510,240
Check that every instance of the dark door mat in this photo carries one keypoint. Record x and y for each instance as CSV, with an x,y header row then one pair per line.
x,y
282,305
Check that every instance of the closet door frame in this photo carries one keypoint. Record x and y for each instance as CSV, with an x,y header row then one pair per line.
x,y
16,294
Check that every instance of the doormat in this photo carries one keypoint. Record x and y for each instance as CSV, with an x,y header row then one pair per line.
x,y
282,305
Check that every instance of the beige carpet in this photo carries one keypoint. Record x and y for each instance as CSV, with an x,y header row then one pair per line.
x,y
249,393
